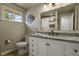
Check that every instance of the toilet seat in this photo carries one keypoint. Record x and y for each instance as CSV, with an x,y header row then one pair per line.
x,y
21,44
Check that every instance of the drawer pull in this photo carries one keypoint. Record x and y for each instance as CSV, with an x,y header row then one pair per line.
x,y
76,50
47,44
32,40
32,50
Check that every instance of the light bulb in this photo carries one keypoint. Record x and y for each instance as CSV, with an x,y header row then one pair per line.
x,y
45,5
50,4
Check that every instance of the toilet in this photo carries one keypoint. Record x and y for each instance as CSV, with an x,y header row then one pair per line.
x,y
21,44
22,48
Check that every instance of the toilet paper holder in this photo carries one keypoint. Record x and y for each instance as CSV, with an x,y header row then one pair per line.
x,y
8,41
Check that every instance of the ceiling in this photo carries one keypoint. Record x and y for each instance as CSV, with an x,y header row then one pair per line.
x,y
27,5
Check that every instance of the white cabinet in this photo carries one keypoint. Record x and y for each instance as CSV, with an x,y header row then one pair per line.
x,y
42,48
47,47
37,46
50,47
55,49
71,49
32,46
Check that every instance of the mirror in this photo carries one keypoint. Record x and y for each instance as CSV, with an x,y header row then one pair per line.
x,y
66,22
30,18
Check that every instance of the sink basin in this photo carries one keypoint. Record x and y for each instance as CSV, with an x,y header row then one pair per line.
x,y
21,44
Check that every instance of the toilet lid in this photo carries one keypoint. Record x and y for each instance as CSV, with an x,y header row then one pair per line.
x,y
21,43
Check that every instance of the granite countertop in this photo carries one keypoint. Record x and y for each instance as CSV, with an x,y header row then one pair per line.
x,y
65,38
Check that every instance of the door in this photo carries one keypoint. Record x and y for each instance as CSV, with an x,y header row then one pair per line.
x,y
55,49
42,48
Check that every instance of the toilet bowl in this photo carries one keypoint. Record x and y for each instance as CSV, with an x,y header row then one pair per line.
x,y
22,47
21,44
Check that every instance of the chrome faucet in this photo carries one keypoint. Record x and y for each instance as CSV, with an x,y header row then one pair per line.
x,y
51,33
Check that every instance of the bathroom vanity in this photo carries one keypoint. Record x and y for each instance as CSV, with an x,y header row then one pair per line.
x,y
62,19
44,45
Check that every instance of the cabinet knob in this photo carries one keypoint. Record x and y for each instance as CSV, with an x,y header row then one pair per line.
x,y
32,55
76,50
32,50
47,44
32,40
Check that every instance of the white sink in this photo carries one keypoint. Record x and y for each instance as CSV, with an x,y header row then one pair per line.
x,y
21,44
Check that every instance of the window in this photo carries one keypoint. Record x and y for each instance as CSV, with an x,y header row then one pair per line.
x,y
11,15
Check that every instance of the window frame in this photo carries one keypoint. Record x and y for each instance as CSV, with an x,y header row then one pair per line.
x,y
12,10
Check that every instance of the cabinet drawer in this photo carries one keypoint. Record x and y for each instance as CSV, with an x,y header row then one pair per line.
x,y
70,50
32,49
31,40
32,52
32,46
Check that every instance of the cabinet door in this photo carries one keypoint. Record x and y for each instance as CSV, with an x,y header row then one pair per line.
x,y
70,50
42,48
32,46
55,49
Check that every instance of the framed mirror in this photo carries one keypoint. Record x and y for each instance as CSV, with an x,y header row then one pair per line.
x,y
30,18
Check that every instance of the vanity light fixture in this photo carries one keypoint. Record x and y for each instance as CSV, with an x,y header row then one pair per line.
x,y
45,5
49,5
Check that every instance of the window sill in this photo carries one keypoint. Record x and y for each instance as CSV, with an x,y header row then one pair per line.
x,y
11,21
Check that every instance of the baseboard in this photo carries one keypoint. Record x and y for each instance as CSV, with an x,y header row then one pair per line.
x,y
6,52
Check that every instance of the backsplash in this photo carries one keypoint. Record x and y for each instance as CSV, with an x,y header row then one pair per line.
x,y
62,33
68,34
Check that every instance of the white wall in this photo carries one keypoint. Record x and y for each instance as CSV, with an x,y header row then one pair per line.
x,y
11,30
36,23
36,10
